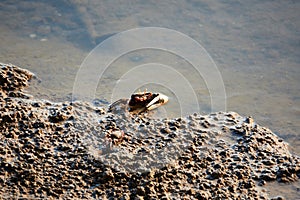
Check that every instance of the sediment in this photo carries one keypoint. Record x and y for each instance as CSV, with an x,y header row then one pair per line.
x,y
82,150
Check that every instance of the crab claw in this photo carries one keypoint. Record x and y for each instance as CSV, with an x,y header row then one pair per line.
x,y
159,100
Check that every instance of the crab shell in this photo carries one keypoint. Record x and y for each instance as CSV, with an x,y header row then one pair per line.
x,y
147,101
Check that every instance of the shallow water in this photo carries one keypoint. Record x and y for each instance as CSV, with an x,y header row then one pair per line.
x,y
254,44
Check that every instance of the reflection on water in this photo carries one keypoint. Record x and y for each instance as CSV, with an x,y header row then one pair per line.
x,y
255,45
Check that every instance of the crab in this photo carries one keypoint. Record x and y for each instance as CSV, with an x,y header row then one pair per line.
x,y
140,102
144,101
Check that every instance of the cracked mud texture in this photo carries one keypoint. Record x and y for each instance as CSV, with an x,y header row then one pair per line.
x,y
83,150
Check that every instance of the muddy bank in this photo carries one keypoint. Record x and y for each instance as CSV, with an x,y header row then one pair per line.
x,y
83,150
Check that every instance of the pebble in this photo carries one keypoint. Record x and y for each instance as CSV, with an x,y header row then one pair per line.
x,y
32,35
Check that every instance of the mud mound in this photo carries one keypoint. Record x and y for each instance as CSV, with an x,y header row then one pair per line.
x,y
78,150
12,80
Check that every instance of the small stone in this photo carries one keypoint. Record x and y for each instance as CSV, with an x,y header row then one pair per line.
x,y
117,134
249,120
32,35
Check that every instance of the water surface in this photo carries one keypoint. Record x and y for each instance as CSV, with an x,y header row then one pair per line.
x,y
255,44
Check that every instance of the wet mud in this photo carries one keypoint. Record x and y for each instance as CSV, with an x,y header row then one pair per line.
x,y
85,150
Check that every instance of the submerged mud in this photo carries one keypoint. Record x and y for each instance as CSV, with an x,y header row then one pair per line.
x,y
82,150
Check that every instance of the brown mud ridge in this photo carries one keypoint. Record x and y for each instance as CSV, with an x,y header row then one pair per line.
x,y
78,150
